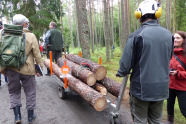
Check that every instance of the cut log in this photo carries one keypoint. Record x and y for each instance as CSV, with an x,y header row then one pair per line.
x,y
79,72
100,88
112,86
94,98
100,71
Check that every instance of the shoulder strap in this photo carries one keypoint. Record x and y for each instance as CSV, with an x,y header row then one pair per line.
x,y
180,61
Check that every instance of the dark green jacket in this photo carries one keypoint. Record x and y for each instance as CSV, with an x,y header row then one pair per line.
x,y
55,40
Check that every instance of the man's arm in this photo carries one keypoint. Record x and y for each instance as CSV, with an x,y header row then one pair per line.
x,y
126,59
36,51
62,42
47,36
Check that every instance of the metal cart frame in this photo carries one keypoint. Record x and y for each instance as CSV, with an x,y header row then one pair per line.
x,y
114,114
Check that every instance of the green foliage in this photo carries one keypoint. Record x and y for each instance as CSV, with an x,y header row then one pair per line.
x,y
39,15
180,15
179,118
66,36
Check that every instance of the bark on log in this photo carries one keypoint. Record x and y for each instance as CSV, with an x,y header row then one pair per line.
x,y
100,71
77,71
100,88
95,99
112,86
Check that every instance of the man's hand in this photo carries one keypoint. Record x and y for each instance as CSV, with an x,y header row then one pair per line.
x,y
117,75
173,73
37,74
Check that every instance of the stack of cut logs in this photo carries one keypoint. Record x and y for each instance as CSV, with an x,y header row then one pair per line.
x,y
91,84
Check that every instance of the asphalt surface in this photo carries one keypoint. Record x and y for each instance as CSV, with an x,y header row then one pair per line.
x,y
53,110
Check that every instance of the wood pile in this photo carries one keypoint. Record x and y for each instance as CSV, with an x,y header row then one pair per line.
x,y
90,83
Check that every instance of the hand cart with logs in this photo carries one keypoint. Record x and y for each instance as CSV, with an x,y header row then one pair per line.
x,y
88,79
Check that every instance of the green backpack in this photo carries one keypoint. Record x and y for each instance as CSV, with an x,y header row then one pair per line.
x,y
12,46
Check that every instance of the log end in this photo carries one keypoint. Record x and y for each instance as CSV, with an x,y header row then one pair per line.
x,y
100,104
101,73
104,91
91,80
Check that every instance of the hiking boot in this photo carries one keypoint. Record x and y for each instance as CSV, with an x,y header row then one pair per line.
x,y
170,119
17,114
31,116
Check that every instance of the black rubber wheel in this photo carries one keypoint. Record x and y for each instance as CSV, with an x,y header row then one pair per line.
x,y
115,120
61,92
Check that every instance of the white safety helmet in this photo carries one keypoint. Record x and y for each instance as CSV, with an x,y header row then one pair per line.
x,y
148,7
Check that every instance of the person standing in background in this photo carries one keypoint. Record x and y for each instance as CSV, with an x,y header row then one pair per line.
x,y
54,43
41,49
177,85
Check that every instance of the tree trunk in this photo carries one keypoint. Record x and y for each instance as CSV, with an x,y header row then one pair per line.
x,y
61,17
83,24
100,24
120,41
112,86
91,30
110,9
100,88
77,37
126,23
106,29
70,24
138,23
123,24
128,12
95,99
168,15
77,71
78,21
174,18
99,71
95,29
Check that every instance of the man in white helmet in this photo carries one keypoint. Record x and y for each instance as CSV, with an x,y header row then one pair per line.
x,y
147,52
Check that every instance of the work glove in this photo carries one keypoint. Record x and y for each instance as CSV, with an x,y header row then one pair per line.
x,y
117,75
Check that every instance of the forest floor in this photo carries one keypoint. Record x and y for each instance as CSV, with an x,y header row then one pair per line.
x,y
53,110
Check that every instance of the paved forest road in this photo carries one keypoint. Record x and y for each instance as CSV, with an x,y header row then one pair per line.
x,y
53,110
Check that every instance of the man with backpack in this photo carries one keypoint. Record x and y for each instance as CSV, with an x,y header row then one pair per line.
x,y
22,69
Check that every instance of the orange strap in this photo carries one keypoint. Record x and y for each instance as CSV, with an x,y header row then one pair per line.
x,y
99,60
51,71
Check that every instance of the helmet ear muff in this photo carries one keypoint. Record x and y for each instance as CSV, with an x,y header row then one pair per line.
x,y
158,12
137,14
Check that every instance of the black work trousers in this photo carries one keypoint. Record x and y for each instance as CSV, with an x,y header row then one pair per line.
x,y
181,95
55,56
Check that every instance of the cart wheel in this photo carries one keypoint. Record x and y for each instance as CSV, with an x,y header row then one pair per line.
x,y
62,93
115,120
